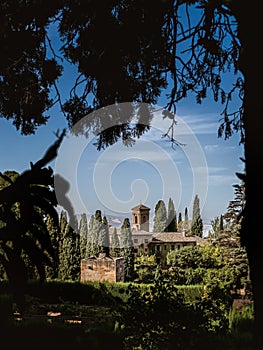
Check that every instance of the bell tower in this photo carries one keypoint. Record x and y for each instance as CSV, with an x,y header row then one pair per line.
x,y
141,218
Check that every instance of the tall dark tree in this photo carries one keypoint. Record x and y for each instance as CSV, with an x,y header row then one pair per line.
x,y
180,222
215,223
186,218
235,209
83,234
160,217
63,222
69,262
221,223
127,249
115,244
171,219
53,229
89,246
105,236
197,222
186,223
98,233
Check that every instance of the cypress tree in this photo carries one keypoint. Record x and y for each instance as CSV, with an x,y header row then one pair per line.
x,y
127,250
186,224
89,244
63,222
69,266
83,233
180,222
171,220
197,223
186,215
105,236
96,245
221,224
115,244
53,229
160,217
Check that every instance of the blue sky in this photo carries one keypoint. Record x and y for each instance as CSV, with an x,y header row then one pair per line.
x,y
119,178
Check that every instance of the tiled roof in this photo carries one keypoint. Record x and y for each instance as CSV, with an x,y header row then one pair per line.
x,y
134,231
174,237
141,206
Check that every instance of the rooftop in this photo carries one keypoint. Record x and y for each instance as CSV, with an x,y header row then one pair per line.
x,y
141,206
174,237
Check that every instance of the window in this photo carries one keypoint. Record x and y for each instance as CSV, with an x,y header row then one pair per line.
x,y
135,219
158,248
144,218
179,246
135,240
165,247
172,246
146,240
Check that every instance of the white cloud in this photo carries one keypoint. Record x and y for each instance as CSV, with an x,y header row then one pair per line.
x,y
199,124
211,148
219,180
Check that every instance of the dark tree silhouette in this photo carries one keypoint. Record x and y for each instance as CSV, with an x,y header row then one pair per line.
x,y
24,226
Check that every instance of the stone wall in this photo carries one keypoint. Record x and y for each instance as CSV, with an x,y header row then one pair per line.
x,y
102,268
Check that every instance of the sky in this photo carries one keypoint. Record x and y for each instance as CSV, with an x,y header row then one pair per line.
x,y
118,178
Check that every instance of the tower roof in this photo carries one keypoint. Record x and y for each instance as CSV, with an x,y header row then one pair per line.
x,y
141,206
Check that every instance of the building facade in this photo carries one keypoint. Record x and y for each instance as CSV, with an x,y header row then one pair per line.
x,y
164,242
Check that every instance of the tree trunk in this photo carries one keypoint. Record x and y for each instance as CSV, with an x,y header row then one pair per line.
x,y
251,235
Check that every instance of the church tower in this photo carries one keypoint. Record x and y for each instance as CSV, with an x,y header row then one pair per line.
x,y
141,218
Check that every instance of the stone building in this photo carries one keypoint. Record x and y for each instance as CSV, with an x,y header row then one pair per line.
x,y
141,218
102,268
164,242
141,239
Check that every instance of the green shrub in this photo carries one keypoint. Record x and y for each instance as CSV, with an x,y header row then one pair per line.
x,y
241,319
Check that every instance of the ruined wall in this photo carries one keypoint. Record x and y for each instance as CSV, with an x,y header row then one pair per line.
x,y
102,269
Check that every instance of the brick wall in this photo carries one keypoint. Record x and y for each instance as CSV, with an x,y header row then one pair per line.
x,y
102,269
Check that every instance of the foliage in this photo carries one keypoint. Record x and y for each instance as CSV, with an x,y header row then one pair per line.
x,y
69,268
160,217
83,233
98,236
127,249
24,230
53,229
171,218
105,238
159,318
241,319
193,54
202,263
115,244
197,223
144,268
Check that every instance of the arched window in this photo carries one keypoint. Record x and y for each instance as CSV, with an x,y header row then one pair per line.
x,y
135,219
